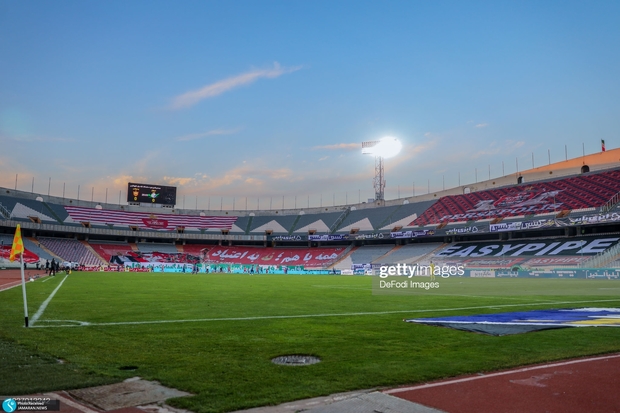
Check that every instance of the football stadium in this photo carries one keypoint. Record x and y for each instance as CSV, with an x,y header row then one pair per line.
x,y
241,309
271,206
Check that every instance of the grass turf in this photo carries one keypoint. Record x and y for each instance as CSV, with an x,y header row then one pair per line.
x,y
149,321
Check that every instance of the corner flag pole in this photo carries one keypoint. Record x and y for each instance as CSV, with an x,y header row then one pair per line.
x,y
24,290
18,249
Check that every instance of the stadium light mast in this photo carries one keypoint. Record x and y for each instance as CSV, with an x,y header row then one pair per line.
x,y
385,148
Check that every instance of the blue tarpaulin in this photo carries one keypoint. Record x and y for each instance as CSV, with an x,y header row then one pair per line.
x,y
500,324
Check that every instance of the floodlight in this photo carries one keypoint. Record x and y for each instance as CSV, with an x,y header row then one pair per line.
x,y
386,147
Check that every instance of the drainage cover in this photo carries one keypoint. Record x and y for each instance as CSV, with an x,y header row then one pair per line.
x,y
295,360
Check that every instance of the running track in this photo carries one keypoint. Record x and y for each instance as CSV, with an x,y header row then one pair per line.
x,y
588,385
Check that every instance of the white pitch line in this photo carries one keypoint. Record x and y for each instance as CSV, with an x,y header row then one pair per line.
x,y
501,373
275,317
41,309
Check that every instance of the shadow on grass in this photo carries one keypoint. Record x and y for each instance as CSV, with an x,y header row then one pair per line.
x,y
23,372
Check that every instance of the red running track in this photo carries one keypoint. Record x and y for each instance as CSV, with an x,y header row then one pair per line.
x,y
590,385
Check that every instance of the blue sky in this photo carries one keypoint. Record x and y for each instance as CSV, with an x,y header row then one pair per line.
x,y
235,99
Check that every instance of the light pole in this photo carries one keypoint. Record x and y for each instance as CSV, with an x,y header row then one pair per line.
x,y
385,148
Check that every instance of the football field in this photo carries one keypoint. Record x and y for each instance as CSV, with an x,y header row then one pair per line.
x,y
214,335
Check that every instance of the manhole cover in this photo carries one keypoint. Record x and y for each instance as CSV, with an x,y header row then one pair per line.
x,y
295,360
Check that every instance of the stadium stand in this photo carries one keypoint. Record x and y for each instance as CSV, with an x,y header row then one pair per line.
x,y
404,230
70,250
149,247
278,224
408,254
241,225
26,209
195,249
107,250
526,253
405,214
366,220
148,220
321,223
575,193
369,253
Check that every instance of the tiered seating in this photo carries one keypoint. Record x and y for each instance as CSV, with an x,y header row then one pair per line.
x,y
579,192
197,250
109,249
409,253
279,224
319,222
527,253
405,214
36,248
32,250
70,250
148,220
22,209
369,253
366,220
150,247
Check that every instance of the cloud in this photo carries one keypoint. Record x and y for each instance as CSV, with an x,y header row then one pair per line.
x,y
339,146
482,125
192,97
215,132
323,158
240,179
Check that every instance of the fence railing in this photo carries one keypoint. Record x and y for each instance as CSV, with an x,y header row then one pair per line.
x,y
607,206
4,212
601,258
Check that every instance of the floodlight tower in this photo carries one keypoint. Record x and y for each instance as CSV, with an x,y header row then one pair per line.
x,y
384,148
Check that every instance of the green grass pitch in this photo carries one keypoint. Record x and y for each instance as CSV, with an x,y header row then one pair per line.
x,y
214,335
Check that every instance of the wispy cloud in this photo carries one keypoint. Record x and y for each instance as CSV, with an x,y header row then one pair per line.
x,y
215,132
482,125
340,146
249,178
192,97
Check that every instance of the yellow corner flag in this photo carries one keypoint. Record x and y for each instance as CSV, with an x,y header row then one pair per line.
x,y
18,244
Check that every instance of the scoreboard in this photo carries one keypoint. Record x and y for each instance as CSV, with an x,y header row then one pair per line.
x,y
151,194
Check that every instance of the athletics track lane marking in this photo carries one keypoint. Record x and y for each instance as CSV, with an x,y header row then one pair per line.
x,y
274,317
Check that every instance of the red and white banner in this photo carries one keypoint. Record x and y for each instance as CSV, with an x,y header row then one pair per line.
x,y
308,257
29,256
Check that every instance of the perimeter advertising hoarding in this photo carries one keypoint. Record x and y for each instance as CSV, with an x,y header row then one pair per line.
x,y
152,194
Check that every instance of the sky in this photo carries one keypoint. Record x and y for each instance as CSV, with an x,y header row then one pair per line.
x,y
266,103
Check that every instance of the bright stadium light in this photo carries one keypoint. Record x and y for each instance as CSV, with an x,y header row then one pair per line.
x,y
385,148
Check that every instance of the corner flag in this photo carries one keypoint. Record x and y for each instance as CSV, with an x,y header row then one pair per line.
x,y
18,244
